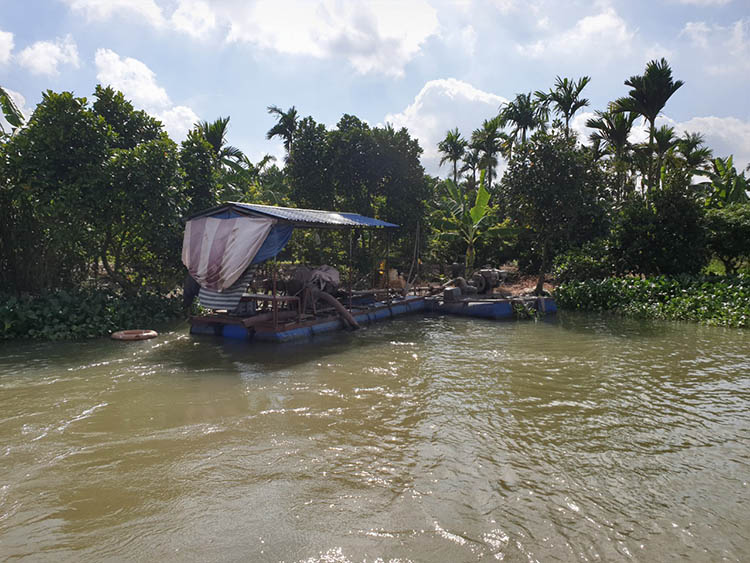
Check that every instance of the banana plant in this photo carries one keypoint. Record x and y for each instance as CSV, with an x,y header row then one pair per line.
x,y
724,185
12,114
461,218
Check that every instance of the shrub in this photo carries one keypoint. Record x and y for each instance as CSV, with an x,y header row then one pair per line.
x,y
590,261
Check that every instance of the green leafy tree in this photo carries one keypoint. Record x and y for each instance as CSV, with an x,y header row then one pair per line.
x,y
453,147
648,95
551,191
661,236
308,166
85,186
728,232
197,158
565,98
129,126
52,183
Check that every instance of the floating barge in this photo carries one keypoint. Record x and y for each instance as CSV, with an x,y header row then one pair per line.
x,y
492,308
222,245
296,329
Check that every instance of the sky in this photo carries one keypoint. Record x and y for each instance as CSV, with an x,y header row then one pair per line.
x,y
427,65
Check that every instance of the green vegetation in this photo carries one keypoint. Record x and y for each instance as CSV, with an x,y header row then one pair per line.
x,y
94,195
83,313
713,300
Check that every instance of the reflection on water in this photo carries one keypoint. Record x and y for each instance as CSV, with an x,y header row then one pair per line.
x,y
422,439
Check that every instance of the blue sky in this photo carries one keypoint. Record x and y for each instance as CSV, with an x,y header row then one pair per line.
x,y
428,65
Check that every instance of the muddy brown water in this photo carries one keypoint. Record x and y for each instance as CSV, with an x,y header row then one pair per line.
x,y
418,439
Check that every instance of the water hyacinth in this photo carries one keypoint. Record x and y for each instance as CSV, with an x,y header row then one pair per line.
x,y
712,300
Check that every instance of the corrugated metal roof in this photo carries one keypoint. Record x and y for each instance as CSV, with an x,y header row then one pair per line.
x,y
314,217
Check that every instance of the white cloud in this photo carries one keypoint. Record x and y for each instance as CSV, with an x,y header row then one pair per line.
x,y
194,17
697,32
442,105
6,46
138,83
103,10
605,34
177,121
43,57
727,47
379,37
705,2
725,135
132,77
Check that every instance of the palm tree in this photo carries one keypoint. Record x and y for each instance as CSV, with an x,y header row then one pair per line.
x,y
691,148
664,141
453,148
523,114
472,163
648,97
566,98
489,141
613,130
285,127
216,133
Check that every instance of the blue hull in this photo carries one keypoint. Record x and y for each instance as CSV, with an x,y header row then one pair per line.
x,y
235,330
498,309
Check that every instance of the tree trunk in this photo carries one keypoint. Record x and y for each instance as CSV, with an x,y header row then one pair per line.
x,y
540,282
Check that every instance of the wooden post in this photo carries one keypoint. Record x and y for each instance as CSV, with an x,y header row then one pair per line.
x,y
387,271
274,305
351,230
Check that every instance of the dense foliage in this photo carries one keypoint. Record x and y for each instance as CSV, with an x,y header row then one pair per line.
x,y
94,194
712,300
83,313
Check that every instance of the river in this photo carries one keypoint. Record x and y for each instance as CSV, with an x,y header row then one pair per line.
x,y
418,439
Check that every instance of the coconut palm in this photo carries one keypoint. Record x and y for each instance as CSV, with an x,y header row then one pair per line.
x,y
285,127
565,98
523,114
216,134
453,148
648,96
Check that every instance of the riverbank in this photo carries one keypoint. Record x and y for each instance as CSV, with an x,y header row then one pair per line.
x,y
712,300
82,313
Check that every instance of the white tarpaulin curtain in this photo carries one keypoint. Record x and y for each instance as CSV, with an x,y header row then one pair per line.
x,y
217,251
